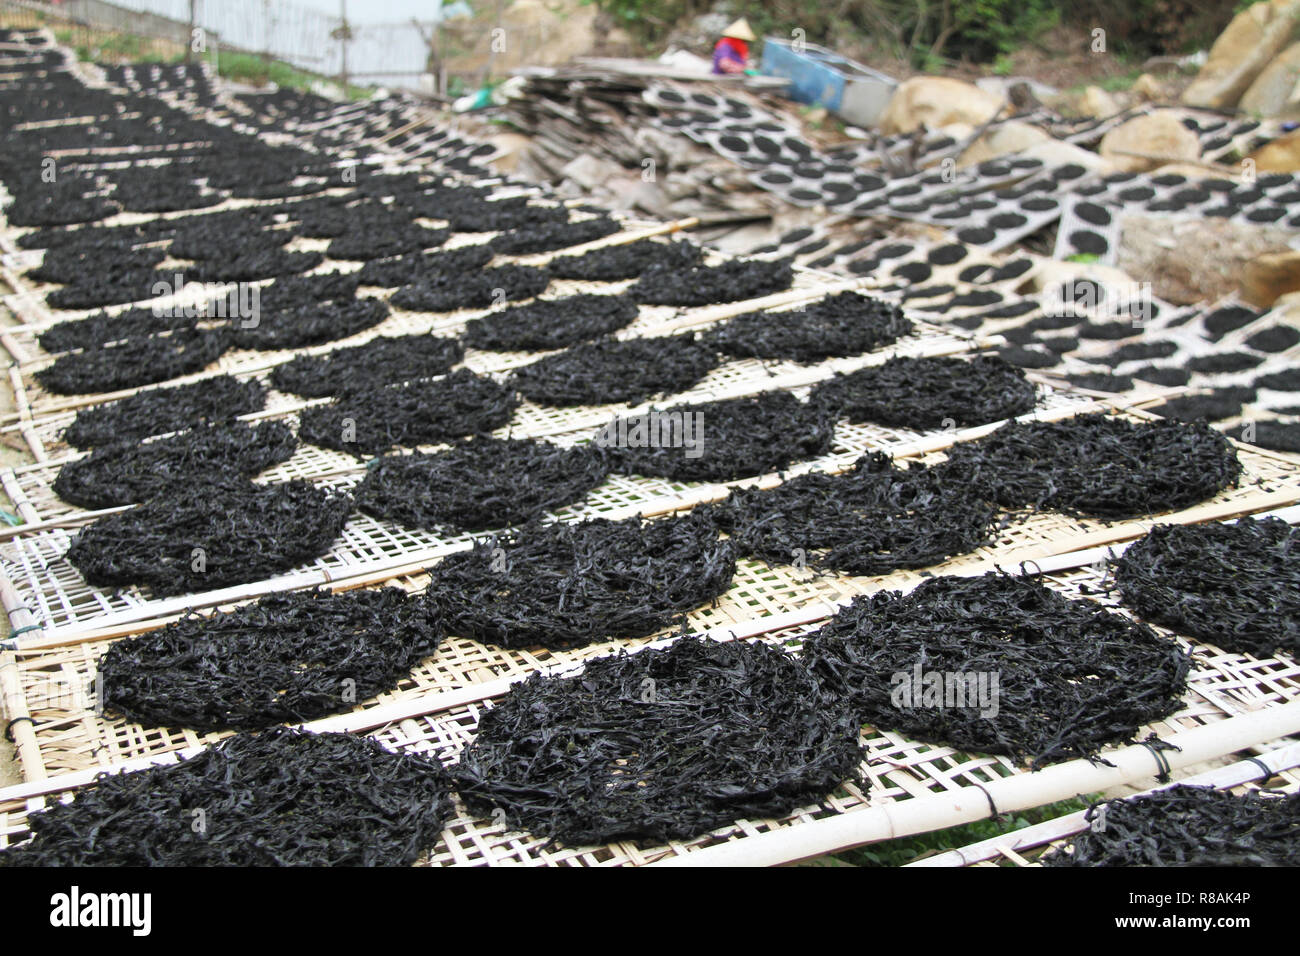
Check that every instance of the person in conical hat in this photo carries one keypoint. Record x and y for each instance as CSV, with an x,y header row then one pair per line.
x,y
731,52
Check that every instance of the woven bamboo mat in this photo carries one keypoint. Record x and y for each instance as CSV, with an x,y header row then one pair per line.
x,y
897,769
60,600
29,486
52,674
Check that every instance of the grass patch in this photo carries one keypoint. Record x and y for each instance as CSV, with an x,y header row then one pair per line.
x,y
909,849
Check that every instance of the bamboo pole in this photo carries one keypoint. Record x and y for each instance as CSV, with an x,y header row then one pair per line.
x,y
1234,775
1020,792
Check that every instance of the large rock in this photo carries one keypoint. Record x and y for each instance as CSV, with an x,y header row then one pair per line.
x,y
1276,91
937,101
1282,155
1006,138
1269,277
1160,134
1242,51
1097,103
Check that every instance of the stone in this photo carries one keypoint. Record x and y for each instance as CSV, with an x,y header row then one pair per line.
x,y
1012,137
1097,103
1282,155
1268,277
937,101
1158,134
1245,47
1276,91
1147,89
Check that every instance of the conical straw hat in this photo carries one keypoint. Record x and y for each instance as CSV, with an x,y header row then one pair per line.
x,y
740,31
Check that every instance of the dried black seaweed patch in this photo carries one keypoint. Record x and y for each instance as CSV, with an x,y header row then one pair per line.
x,y
1188,826
925,393
999,664
162,410
874,520
206,536
101,328
1236,586
665,744
424,266
550,323
134,362
128,472
547,236
846,324
481,483
702,285
606,372
477,290
285,658
1102,466
627,261
387,360
718,441
278,798
309,323
429,412
567,585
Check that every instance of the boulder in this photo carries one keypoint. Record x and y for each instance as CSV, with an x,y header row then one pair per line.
x,y
1160,134
1012,137
1253,38
1097,103
937,101
1147,89
1268,277
1282,155
1276,91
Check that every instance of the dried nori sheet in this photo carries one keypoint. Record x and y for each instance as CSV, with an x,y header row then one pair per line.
x,y
567,585
201,537
286,658
387,360
1188,826
550,323
128,472
626,261
101,328
926,393
1278,436
849,323
1072,676
737,438
282,797
426,412
414,267
1236,586
609,371
873,520
480,483
669,284
1212,406
548,236
1102,466
133,363
308,323
162,410
664,744
476,290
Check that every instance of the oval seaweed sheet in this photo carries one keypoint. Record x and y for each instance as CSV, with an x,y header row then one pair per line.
x,y
873,520
849,323
161,410
480,483
566,585
285,658
610,371
1188,826
1236,585
210,535
1000,665
664,744
925,393
1101,465
282,797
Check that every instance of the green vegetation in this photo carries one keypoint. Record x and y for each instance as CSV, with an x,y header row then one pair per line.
x,y
908,849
